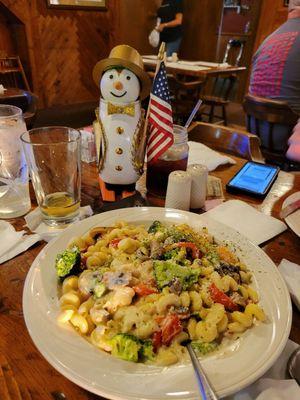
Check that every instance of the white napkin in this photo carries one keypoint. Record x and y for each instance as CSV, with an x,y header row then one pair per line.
x,y
201,154
13,243
2,89
253,224
34,222
187,67
291,274
273,385
204,63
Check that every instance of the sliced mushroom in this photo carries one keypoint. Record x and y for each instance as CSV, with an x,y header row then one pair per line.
x,y
99,231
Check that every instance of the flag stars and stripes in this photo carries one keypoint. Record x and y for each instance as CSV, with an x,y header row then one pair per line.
x,y
160,116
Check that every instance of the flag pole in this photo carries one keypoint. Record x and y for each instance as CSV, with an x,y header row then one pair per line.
x,y
160,58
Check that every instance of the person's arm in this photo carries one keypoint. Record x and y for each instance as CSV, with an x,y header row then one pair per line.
x,y
171,24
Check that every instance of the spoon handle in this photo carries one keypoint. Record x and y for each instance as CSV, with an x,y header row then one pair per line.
x,y
206,390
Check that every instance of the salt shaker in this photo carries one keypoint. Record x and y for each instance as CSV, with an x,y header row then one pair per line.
x,y
199,176
179,190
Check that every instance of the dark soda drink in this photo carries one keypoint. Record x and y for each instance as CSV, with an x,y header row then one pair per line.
x,y
158,173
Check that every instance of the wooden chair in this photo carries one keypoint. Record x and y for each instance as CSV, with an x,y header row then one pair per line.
x,y
273,122
185,94
12,73
227,140
223,86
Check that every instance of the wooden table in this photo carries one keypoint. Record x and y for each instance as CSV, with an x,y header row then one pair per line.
x,y
199,74
30,368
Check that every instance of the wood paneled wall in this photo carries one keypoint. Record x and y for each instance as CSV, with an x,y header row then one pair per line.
x,y
63,48
273,14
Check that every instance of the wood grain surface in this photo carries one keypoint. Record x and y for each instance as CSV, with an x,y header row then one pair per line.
x,y
31,370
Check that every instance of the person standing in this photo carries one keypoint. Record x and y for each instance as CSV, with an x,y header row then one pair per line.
x,y
171,14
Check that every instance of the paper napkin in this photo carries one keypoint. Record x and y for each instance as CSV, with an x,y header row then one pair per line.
x,y
34,222
13,243
291,274
201,154
253,224
273,385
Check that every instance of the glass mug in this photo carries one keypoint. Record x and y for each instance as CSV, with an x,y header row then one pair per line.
x,y
174,159
53,156
14,188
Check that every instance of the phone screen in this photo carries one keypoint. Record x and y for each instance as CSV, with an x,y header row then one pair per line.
x,y
254,177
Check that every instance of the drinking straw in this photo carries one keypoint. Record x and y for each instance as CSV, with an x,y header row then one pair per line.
x,y
193,113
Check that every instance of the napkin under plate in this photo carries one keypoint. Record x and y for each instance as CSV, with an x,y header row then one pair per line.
x,y
13,243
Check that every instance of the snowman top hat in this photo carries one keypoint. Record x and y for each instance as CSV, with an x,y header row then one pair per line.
x,y
126,57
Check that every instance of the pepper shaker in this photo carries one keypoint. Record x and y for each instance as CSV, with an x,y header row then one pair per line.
x,y
199,176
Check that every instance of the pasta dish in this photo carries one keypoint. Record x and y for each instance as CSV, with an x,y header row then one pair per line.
x,y
141,294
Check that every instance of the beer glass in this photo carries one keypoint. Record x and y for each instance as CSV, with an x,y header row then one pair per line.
x,y
53,156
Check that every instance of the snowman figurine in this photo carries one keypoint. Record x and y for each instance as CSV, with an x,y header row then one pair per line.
x,y
120,136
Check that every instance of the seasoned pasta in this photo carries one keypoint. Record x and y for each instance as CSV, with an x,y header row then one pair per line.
x,y
140,294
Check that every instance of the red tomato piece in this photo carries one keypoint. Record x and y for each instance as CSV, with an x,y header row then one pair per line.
x,y
156,340
143,290
114,242
196,253
220,297
170,327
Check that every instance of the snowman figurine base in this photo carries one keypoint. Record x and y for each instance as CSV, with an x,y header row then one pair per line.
x,y
110,192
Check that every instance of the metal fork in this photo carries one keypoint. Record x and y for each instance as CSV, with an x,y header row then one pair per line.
x,y
206,390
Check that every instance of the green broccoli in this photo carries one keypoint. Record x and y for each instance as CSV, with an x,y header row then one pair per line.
x,y
146,351
204,348
68,263
166,271
175,236
126,347
178,255
156,226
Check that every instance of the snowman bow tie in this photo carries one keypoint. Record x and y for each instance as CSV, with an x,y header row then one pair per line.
x,y
127,110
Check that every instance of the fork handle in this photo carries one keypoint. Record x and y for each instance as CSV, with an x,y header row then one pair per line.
x,y
206,390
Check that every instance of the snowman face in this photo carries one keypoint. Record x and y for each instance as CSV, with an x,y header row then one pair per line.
x,y
120,86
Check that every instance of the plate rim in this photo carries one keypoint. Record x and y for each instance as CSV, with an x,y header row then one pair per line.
x,y
66,372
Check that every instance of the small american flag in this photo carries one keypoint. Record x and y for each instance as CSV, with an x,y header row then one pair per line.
x,y
160,116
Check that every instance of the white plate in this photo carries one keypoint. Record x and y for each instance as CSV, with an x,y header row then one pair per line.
x,y
107,376
293,220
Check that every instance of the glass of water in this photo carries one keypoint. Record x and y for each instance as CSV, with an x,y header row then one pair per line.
x,y
53,157
14,188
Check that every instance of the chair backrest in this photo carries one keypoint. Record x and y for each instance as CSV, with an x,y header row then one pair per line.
x,y
223,86
12,73
227,140
234,52
272,121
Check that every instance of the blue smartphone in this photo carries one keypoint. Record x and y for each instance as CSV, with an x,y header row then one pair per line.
x,y
254,178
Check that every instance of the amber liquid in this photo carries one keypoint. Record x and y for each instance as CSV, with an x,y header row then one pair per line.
x,y
158,173
60,204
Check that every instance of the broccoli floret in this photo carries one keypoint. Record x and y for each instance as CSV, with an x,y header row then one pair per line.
x,y
178,255
99,290
68,263
156,226
166,271
204,348
175,236
147,350
126,347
